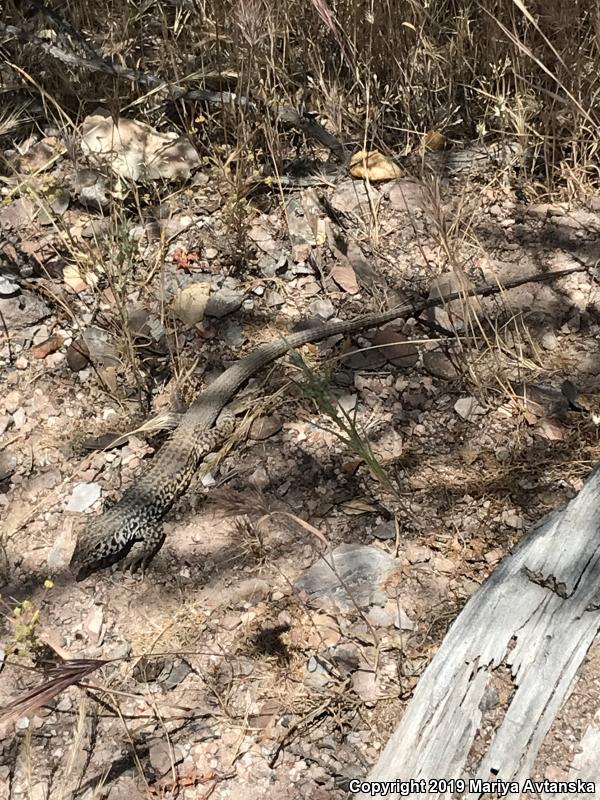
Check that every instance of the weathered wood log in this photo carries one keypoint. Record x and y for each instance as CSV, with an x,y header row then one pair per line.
x,y
536,615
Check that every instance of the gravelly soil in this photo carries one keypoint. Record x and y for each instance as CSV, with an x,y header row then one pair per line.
x,y
221,678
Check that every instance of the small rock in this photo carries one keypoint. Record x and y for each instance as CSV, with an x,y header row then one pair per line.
x,y
12,401
468,408
347,403
45,348
365,685
469,586
318,676
267,266
94,623
325,632
407,196
119,650
403,622
8,464
512,519
58,204
21,363
233,335
264,427
8,288
19,418
260,478
174,673
189,304
273,298
92,188
261,236
162,757
493,556
61,550
490,699
379,617
78,355
346,658
322,308
345,277
83,496
72,276
224,302
439,365
385,530
443,564
351,197
417,554
5,421
230,622
100,347
347,577
392,346
549,341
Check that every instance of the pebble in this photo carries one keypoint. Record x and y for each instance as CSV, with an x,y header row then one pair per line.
x,y
12,401
322,308
549,341
8,464
468,407
19,418
8,288
83,496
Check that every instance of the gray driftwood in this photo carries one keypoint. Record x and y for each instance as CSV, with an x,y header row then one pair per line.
x,y
537,615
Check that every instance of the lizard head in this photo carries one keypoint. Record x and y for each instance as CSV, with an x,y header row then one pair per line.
x,y
99,545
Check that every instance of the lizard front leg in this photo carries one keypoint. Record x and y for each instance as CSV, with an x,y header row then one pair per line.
x,y
144,549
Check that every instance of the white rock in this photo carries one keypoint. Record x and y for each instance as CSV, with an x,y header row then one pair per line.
x,y
468,408
83,496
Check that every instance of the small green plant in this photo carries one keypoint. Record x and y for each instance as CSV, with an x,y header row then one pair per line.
x,y
344,425
24,619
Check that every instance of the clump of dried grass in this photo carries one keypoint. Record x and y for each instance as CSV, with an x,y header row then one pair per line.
x,y
383,73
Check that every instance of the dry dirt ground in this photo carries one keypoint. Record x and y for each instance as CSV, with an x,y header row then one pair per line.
x,y
231,670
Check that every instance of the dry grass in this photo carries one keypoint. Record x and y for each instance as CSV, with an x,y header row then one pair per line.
x,y
377,73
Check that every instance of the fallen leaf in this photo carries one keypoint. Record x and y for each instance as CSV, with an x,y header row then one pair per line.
x,y
357,506
434,140
374,166
137,151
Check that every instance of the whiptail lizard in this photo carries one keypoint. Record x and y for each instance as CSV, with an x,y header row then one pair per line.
x,y
132,529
